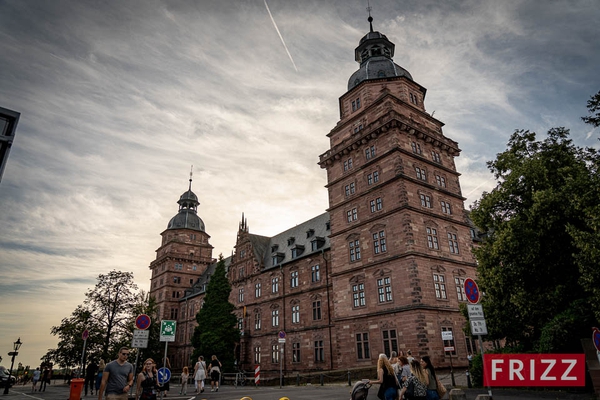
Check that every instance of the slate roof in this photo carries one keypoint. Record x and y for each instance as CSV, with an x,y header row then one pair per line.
x,y
319,226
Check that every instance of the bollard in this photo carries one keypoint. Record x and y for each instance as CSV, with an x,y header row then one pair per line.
x,y
297,379
349,379
322,379
469,385
246,398
457,394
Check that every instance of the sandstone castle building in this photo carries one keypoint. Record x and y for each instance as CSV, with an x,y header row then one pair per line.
x,y
381,270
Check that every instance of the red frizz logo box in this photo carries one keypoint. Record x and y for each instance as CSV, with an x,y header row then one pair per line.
x,y
534,369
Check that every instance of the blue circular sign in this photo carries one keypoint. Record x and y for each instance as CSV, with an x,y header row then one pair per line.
x,y
164,375
472,291
142,322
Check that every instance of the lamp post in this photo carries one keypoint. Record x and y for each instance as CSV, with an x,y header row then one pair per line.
x,y
17,345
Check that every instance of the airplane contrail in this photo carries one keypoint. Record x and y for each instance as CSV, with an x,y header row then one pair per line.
x,y
280,37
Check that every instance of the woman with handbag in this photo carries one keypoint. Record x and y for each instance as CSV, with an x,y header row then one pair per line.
x,y
199,374
432,388
415,387
147,383
386,378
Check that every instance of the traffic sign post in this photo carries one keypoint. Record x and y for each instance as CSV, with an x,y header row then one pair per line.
x,y
447,336
85,335
167,334
476,316
281,336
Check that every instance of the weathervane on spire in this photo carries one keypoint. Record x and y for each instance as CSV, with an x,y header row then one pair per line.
x,y
191,173
370,19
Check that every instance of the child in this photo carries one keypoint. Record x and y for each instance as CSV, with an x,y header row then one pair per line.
x,y
184,380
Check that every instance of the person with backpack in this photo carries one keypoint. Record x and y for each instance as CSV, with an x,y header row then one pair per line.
x,y
415,387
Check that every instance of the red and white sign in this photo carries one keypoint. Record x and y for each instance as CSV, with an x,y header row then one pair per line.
x,y
534,370
257,374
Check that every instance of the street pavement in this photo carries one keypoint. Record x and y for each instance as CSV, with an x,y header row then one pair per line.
x,y
61,391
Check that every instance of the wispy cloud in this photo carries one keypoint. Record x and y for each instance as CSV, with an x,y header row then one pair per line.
x,y
280,37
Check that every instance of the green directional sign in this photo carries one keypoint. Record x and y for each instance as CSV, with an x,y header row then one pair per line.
x,y
167,330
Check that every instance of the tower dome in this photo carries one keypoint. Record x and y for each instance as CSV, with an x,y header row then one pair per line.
x,y
374,54
187,217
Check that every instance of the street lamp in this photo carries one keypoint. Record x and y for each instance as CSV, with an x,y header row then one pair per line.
x,y
16,346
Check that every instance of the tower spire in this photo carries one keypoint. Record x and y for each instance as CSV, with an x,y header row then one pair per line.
x,y
370,19
191,173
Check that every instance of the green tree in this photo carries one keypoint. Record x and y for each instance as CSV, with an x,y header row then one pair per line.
x,y
106,313
593,106
217,332
528,263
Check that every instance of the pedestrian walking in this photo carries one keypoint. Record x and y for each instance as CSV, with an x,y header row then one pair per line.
x,y
45,379
388,384
147,383
185,376
101,366
215,373
432,393
200,374
117,378
416,383
90,377
36,377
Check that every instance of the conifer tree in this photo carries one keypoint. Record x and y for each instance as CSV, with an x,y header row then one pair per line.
x,y
217,332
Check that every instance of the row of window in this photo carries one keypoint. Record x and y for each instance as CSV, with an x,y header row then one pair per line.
x,y
317,315
421,174
435,156
426,202
380,245
433,242
315,276
377,205
318,352
389,339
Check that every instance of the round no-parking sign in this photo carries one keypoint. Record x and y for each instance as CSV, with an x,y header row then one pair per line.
x,y
472,291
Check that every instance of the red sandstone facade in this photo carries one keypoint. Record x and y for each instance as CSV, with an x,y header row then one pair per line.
x,y
380,271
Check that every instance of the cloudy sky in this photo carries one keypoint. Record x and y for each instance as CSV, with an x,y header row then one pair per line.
x,y
118,100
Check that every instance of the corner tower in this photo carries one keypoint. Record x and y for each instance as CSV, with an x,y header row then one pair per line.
x,y
400,241
183,256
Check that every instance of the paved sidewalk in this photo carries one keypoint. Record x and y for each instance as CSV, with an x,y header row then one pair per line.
x,y
61,391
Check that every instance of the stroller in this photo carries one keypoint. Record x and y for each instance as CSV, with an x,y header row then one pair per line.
x,y
360,391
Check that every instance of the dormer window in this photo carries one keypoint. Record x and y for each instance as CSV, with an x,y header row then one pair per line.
x,y
310,233
277,258
291,241
328,225
297,250
317,243
274,248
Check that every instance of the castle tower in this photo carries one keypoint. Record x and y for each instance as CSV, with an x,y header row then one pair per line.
x,y
182,257
400,241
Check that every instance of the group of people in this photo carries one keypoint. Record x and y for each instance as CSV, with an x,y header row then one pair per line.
x,y
41,376
117,378
401,375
